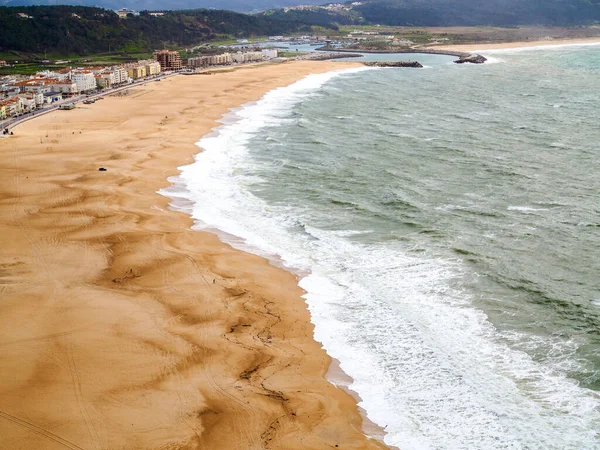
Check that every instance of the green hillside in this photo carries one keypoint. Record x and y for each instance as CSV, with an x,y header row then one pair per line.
x,y
151,5
82,30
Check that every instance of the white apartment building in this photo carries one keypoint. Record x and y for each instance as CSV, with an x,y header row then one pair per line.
x,y
64,87
246,57
13,106
10,90
120,75
43,85
85,80
269,53
238,57
105,79
199,61
210,60
220,60
225,59
28,102
36,97
31,85
63,74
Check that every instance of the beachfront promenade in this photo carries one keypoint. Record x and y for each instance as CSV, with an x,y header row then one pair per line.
x,y
9,124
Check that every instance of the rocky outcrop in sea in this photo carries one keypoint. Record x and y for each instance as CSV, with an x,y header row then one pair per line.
x,y
472,58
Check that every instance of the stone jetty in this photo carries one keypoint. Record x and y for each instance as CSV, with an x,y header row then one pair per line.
x,y
323,56
463,57
430,51
415,64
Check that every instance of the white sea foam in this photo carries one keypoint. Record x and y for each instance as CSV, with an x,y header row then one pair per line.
x,y
493,60
429,367
526,209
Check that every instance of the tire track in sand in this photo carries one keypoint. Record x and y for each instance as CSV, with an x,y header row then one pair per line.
x,y
41,431
81,398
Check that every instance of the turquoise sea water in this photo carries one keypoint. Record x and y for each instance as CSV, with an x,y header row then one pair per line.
x,y
445,223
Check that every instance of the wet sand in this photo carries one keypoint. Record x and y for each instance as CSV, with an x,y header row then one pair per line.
x,y
122,328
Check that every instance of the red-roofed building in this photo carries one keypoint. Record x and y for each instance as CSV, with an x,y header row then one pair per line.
x,y
36,97
12,106
42,85
28,102
33,85
66,87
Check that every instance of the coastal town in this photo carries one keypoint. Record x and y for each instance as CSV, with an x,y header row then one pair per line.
x,y
22,95
62,83
285,225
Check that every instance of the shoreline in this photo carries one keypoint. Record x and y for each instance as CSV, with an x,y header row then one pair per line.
x,y
463,50
334,373
478,47
138,331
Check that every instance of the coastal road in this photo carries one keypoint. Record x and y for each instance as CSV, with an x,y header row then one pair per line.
x,y
13,122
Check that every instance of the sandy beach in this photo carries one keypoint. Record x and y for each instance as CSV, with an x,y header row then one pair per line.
x,y
121,327
522,44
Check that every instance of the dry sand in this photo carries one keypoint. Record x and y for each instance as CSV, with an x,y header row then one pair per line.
x,y
120,327
506,45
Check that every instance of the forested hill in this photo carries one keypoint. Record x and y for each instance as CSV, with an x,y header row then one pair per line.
x,y
385,12
451,13
234,5
85,30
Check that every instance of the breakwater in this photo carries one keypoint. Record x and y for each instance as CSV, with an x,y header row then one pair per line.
x,y
463,57
328,55
414,64
430,51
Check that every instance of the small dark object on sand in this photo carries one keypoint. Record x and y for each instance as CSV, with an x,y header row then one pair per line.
x,y
102,169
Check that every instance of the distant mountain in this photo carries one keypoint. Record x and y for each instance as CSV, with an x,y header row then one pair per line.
x,y
477,12
449,13
153,5
385,12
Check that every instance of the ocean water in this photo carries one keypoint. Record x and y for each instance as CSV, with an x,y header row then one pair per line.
x,y
445,225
